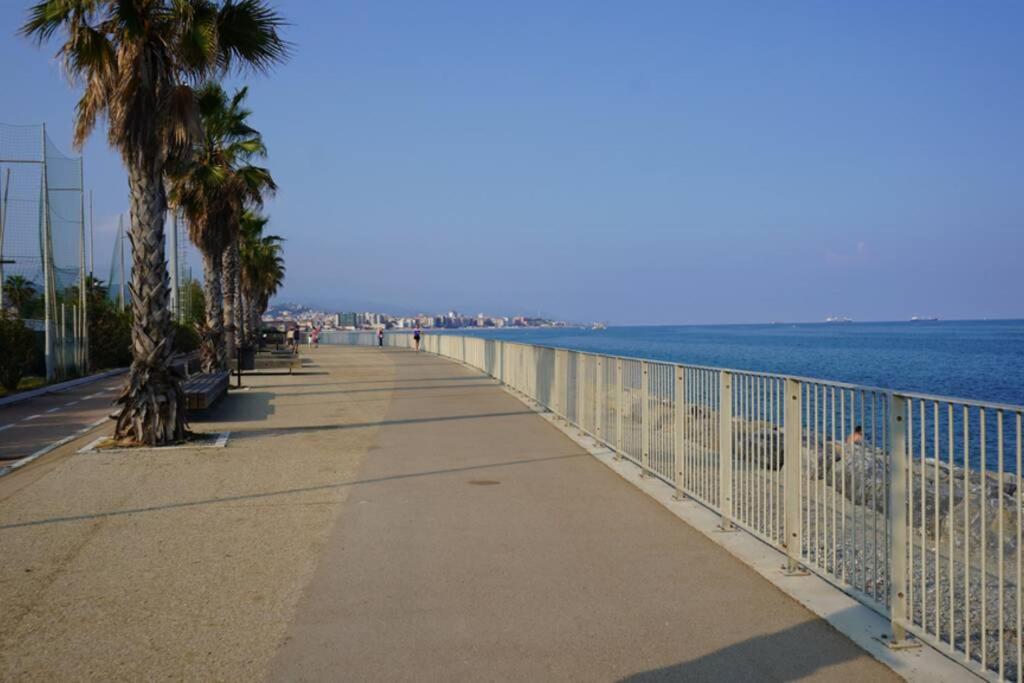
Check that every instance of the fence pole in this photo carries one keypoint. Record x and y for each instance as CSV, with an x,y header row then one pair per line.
x,y
677,436
618,409
599,398
725,483
49,296
792,446
501,361
581,381
898,535
83,300
560,383
645,421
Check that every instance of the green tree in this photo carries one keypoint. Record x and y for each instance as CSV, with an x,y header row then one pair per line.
x,y
110,335
136,62
18,344
262,270
21,293
213,187
196,305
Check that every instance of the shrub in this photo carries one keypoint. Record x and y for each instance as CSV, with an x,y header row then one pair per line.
x,y
110,337
186,339
17,351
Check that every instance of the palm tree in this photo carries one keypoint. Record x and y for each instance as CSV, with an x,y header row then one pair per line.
x,y
213,187
20,292
262,270
136,61
250,230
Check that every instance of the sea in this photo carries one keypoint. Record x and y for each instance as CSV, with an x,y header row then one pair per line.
x,y
974,359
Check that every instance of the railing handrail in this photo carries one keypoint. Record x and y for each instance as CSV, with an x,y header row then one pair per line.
x,y
924,396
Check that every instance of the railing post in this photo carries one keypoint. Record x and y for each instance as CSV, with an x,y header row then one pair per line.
x,y
677,436
725,482
563,397
581,382
618,409
599,397
645,421
556,383
792,446
898,535
501,361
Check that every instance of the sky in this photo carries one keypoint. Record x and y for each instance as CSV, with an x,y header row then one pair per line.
x,y
634,163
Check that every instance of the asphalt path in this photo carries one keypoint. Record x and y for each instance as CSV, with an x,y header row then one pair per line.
x,y
28,426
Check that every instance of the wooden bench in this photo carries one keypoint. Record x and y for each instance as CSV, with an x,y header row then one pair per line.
x,y
203,390
273,362
187,364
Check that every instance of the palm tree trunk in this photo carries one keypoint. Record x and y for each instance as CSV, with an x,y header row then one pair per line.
x,y
230,275
212,349
255,315
152,402
244,338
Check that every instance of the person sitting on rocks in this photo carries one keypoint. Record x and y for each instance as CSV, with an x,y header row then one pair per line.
x,y
856,436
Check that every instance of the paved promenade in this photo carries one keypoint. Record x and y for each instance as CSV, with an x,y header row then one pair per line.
x,y
387,516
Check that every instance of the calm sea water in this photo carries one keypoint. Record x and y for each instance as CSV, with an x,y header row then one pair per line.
x,y
966,359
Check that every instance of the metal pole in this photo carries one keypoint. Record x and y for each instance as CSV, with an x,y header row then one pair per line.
x,y
580,391
645,422
82,340
75,336
618,409
63,338
3,225
791,449
92,239
47,266
898,534
725,478
680,414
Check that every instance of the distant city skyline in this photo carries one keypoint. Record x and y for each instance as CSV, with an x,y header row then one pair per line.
x,y
412,313
671,163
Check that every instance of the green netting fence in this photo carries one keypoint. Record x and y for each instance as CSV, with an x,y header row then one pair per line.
x,y
42,245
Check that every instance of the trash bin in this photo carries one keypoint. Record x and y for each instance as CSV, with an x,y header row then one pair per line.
x,y
247,358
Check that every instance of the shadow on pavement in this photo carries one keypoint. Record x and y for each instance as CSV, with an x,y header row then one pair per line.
x,y
239,406
286,492
475,378
488,385
781,656
276,431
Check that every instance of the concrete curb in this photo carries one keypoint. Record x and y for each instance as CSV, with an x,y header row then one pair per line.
x,y
865,627
54,388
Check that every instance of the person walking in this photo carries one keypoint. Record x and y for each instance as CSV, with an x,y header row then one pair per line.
x,y
380,337
416,337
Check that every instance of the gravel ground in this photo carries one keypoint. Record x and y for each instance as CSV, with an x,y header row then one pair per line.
x,y
183,563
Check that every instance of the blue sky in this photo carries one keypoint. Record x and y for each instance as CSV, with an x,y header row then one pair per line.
x,y
655,162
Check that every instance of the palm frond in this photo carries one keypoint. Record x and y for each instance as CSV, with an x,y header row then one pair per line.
x,y
249,35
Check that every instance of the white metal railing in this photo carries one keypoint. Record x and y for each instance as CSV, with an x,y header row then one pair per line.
x,y
911,503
